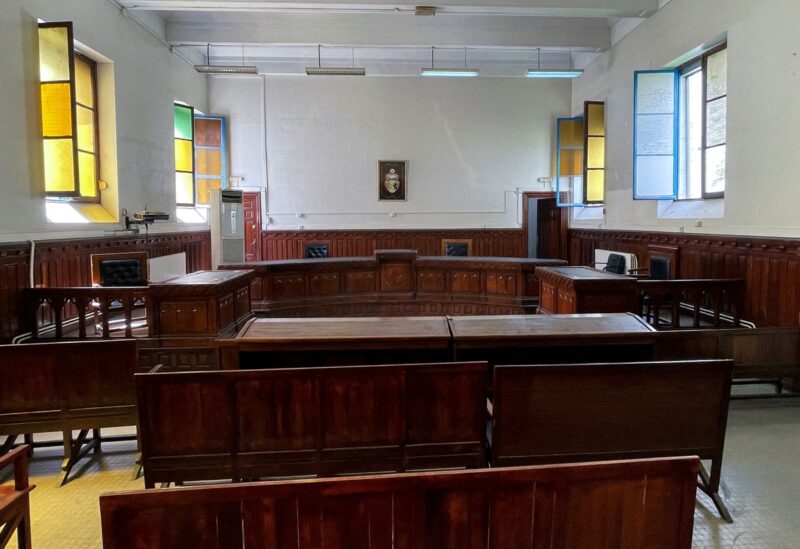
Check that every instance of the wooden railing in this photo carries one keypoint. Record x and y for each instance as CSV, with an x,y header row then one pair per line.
x,y
65,313
708,303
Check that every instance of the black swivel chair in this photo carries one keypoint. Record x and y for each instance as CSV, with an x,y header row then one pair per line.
x,y
615,264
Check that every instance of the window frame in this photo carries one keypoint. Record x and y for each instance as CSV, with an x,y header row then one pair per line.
x,y
95,118
194,160
716,49
559,191
223,148
586,168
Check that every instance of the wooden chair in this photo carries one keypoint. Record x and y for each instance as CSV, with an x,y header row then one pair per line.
x,y
646,504
15,511
114,270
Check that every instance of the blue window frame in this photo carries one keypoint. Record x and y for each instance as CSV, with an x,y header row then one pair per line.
x,y
656,134
211,156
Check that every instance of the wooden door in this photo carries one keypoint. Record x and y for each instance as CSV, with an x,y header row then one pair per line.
x,y
551,229
252,226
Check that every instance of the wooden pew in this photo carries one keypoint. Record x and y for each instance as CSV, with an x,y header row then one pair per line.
x,y
82,386
311,421
15,509
647,503
587,412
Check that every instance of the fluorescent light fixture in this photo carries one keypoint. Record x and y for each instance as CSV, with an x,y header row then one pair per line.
x,y
459,72
336,71
319,70
208,68
449,72
554,73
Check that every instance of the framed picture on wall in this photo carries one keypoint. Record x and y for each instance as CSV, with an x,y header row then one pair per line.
x,y
392,182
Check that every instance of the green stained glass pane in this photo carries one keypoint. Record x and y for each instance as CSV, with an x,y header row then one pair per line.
x,y
183,122
54,48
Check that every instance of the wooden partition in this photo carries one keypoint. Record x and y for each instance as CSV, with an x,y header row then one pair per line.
x,y
585,412
15,508
618,504
311,421
64,387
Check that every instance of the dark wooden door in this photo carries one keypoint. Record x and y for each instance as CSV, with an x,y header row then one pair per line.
x,y
551,229
252,226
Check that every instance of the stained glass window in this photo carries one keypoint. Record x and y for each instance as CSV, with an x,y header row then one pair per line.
x,y
570,161
69,115
211,170
595,145
184,154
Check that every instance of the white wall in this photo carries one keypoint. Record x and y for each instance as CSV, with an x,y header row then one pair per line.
x,y
470,144
147,80
763,186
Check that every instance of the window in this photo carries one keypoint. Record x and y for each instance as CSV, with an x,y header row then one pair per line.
x,y
594,143
69,116
184,155
703,96
680,130
569,161
212,163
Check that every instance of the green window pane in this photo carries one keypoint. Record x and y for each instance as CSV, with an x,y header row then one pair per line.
x,y
596,153
184,188
183,122
84,88
87,174
85,129
595,184
59,165
56,110
54,48
183,156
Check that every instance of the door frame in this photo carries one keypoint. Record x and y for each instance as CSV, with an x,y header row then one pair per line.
x,y
564,215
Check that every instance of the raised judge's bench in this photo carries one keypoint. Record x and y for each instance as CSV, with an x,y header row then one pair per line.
x,y
395,283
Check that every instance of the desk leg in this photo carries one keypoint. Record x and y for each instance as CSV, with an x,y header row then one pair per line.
x,y
710,485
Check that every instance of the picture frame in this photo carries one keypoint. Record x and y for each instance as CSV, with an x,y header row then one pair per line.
x,y
392,180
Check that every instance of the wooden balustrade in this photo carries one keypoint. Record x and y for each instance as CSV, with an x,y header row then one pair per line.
x,y
53,311
710,303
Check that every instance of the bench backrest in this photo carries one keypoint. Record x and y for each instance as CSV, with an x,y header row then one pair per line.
x,y
66,386
574,412
648,503
306,421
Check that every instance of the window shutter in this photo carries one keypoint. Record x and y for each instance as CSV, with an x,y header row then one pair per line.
x,y
594,144
210,149
655,134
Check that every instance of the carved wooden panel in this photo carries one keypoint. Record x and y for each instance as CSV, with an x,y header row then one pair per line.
x,y
548,299
360,282
227,310
181,317
178,359
465,282
396,277
431,281
242,302
501,283
288,286
324,284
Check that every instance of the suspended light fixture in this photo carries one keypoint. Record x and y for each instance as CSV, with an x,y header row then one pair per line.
x,y
208,68
539,72
456,72
319,70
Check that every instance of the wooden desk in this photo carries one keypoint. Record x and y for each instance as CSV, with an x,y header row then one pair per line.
x,y
567,290
273,342
537,339
200,303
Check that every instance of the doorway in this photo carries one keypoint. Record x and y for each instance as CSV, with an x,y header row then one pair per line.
x,y
544,226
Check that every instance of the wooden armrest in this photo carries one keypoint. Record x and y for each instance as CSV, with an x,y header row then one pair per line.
x,y
19,457
155,369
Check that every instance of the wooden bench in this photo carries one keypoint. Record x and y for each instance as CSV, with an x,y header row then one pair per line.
x,y
311,421
588,412
15,508
648,503
83,386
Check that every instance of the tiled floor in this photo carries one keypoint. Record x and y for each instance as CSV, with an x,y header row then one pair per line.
x,y
760,483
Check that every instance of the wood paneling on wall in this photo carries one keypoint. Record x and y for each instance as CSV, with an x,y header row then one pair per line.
x,y
353,243
59,263
770,266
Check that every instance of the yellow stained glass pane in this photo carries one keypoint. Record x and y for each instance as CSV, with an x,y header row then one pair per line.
x,y
85,129
54,48
59,165
596,153
87,174
184,183
571,133
571,162
183,156
596,119
595,185
84,90
209,161
56,110
204,188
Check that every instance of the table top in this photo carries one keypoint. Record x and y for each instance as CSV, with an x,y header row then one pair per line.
x,y
360,329
583,273
528,327
204,278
